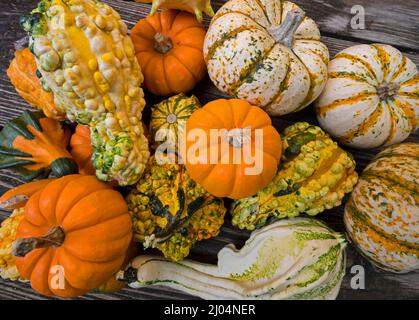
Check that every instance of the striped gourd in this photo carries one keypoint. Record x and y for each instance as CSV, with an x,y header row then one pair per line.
x,y
382,215
313,176
371,98
297,258
268,53
168,119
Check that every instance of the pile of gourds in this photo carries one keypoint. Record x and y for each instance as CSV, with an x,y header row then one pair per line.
x,y
72,231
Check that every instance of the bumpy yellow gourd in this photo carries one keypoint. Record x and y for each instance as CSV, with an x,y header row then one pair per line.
x,y
172,212
87,60
8,230
314,175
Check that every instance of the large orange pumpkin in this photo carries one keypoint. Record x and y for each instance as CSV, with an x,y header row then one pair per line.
x,y
73,237
82,150
168,46
230,174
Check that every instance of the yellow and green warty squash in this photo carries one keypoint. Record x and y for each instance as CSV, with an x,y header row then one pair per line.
x,y
170,116
86,58
291,259
8,229
371,98
313,176
34,145
382,214
172,212
268,53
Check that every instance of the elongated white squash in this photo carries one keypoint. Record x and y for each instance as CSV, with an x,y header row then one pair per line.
x,y
298,258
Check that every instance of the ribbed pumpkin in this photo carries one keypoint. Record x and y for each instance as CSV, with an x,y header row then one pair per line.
x,y
371,98
314,175
268,53
23,74
73,237
82,150
196,7
34,145
237,163
168,47
17,197
382,215
168,119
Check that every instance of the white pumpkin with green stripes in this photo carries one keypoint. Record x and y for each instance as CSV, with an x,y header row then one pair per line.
x,y
382,215
371,98
298,258
268,53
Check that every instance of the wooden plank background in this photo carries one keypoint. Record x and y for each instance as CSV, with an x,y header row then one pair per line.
x,y
393,22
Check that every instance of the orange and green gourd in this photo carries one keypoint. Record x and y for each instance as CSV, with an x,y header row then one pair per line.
x,y
34,145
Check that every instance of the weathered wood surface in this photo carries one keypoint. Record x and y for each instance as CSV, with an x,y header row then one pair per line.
x,y
387,21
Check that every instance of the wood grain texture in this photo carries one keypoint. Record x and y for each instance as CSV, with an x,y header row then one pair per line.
x,y
393,22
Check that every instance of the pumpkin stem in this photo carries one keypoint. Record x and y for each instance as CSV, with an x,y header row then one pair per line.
x,y
162,44
54,238
238,137
387,90
284,33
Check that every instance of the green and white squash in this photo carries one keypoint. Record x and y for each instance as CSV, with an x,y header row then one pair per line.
x,y
314,175
371,98
168,119
268,53
382,215
298,258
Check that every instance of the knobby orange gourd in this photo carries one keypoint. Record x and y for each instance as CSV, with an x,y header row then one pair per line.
x,y
80,225
230,175
24,77
34,145
168,47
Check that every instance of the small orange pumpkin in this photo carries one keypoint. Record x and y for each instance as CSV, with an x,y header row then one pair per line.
x,y
82,150
23,75
231,174
168,46
73,237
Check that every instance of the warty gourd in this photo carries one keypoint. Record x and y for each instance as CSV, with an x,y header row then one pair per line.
x,y
87,60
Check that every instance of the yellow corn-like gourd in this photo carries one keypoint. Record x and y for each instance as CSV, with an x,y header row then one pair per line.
x,y
8,231
87,60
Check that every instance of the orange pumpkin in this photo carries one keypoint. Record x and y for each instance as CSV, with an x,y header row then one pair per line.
x,y
17,197
82,150
223,166
73,237
168,46
114,285
23,75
